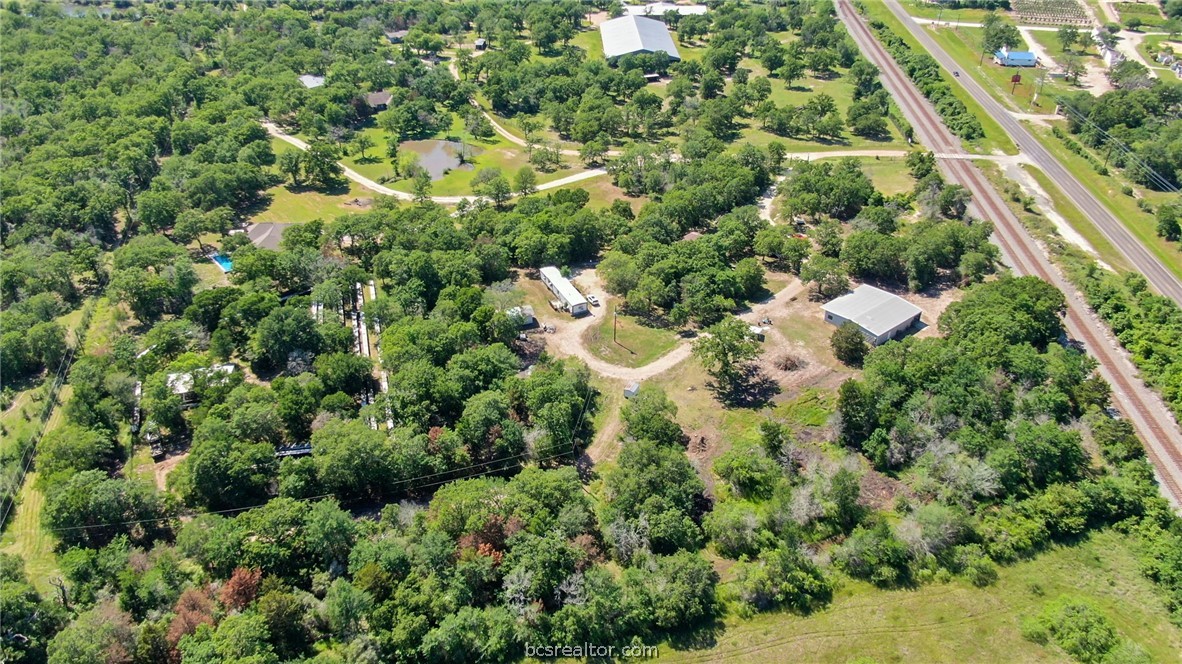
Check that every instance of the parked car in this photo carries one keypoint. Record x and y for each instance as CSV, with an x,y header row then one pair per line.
x,y
593,300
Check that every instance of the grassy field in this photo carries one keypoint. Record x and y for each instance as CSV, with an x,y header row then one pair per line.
x,y
926,9
494,152
24,535
285,203
1149,14
963,44
1108,189
1079,222
956,622
995,139
634,345
889,174
1050,42
1149,48
603,193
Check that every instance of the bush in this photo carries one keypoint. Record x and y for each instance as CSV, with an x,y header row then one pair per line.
x,y
1078,628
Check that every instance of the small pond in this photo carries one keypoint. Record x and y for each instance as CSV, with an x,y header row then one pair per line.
x,y
439,157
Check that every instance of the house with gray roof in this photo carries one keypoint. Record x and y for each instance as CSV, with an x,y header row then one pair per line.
x,y
627,35
879,314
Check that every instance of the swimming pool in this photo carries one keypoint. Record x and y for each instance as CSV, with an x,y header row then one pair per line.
x,y
223,262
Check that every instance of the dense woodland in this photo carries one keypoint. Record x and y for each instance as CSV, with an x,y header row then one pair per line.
x,y
464,526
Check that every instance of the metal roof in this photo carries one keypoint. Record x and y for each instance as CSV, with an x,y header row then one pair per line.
x,y
873,309
311,81
563,287
636,34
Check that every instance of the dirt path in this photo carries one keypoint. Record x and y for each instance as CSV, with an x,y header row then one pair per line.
x,y
360,179
567,340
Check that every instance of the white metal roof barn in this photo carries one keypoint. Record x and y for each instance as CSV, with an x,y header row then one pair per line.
x,y
636,34
879,314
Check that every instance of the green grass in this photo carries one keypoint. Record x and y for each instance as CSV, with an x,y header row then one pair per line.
x,y
24,537
495,152
1141,224
1079,222
889,174
839,87
963,44
995,139
1050,42
1149,14
926,9
1149,48
812,408
956,622
635,344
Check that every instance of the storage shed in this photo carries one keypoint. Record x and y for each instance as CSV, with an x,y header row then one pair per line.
x,y
570,297
879,314
1008,58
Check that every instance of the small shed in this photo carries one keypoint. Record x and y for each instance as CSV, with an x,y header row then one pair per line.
x,y
311,81
379,100
524,315
1008,58
481,44
631,389
879,314
758,332
396,36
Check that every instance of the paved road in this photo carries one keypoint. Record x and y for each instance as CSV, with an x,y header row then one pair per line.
x,y
1143,407
1160,278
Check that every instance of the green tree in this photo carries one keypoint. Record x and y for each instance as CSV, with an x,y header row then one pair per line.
x,y
849,345
724,350
527,181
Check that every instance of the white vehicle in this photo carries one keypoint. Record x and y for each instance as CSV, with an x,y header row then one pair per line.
x,y
593,300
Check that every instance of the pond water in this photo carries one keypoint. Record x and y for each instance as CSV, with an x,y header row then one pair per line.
x,y
439,157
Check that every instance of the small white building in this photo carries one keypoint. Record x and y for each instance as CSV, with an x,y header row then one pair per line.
x,y
181,384
631,390
310,81
524,315
758,332
570,297
879,314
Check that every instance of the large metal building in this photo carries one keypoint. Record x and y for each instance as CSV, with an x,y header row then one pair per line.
x,y
879,314
636,34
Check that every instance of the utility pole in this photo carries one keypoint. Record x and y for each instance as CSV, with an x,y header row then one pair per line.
x,y
615,325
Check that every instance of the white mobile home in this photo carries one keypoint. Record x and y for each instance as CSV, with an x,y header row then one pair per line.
x,y
879,314
571,299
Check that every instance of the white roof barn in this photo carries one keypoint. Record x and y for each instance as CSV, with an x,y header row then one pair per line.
x,y
636,34
880,315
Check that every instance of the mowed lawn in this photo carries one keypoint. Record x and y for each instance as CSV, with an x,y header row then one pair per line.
x,y
285,203
956,622
24,536
1140,223
634,343
493,152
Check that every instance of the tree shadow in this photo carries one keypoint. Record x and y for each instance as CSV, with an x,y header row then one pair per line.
x,y
753,388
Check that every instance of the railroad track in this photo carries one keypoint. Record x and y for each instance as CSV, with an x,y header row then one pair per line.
x,y
1144,408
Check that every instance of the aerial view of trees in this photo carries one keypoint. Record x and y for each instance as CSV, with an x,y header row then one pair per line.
x,y
341,443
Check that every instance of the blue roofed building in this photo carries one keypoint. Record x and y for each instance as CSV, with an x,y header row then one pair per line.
x,y
636,34
1008,58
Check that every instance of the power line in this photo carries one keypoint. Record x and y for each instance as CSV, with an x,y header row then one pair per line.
x,y
520,464
1157,179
